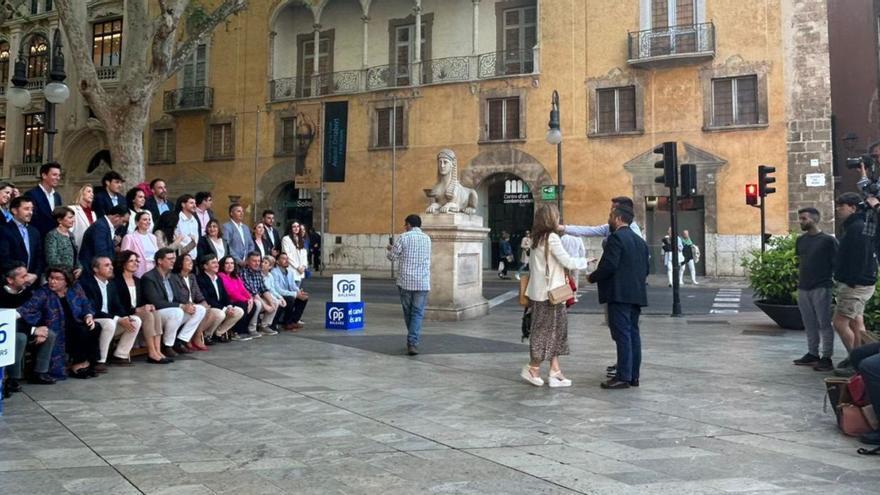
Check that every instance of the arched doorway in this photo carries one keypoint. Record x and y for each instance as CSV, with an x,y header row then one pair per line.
x,y
292,204
509,207
100,163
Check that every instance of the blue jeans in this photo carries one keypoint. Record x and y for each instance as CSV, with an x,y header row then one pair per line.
x,y
413,302
623,319
866,359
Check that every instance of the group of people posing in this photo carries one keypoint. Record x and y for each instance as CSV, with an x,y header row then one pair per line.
x,y
137,267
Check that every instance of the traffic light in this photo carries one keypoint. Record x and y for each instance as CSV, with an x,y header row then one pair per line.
x,y
765,178
688,172
669,164
752,194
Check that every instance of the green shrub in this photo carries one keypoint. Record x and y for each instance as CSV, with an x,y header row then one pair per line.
x,y
872,311
773,275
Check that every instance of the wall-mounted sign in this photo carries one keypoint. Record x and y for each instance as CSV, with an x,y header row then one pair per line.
x,y
518,198
335,139
548,193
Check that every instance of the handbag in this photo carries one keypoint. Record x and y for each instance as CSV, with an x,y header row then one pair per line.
x,y
570,302
556,295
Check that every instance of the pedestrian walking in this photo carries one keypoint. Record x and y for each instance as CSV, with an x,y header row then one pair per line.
x,y
549,332
621,276
505,254
855,270
525,248
666,246
413,252
691,254
816,251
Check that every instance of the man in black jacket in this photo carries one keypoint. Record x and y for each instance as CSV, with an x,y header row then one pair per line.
x,y
855,271
111,195
19,240
621,275
217,298
17,289
109,312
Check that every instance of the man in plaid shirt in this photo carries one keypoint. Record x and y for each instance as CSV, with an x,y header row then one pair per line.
x,y
413,252
252,277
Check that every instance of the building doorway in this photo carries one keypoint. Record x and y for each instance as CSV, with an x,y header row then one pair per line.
x,y
691,217
293,205
509,207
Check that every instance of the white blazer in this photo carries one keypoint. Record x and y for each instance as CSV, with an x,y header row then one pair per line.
x,y
298,257
81,224
557,262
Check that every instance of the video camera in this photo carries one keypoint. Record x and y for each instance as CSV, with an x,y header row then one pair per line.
x,y
870,187
855,163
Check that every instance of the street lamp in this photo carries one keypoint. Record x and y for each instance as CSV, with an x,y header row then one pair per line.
x,y
55,91
554,136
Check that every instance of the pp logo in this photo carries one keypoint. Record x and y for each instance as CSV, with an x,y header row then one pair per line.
x,y
336,314
346,287
2,333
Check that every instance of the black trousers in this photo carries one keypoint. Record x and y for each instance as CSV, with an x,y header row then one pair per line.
x,y
82,343
291,313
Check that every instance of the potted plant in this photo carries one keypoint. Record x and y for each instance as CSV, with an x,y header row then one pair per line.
x,y
773,275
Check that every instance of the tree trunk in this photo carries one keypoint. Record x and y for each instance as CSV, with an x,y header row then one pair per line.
x,y
126,139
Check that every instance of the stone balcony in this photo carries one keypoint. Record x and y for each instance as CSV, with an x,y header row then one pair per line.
x,y
673,45
444,70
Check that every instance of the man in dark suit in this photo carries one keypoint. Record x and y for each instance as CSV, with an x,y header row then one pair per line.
x,y
20,241
99,288
98,240
271,235
158,203
622,274
111,195
217,298
45,197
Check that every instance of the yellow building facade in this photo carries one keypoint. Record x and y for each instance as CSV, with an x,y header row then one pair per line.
x,y
735,84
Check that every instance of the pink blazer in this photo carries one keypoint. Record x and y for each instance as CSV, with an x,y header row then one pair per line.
x,y
132,242
235,288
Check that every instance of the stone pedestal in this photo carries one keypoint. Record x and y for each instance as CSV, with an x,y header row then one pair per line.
x,y
456,267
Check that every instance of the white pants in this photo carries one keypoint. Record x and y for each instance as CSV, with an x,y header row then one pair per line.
x,y
173,318
690,266
110,330
224,322
667,259
269,316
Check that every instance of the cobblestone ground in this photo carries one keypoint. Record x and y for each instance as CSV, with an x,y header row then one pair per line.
x,y
720,410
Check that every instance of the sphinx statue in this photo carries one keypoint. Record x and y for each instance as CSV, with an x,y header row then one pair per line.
x,y
448,195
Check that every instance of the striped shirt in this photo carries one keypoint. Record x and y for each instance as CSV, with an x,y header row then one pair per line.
x,y
413,252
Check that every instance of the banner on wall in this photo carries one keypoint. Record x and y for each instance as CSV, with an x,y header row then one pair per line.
x,y
335,137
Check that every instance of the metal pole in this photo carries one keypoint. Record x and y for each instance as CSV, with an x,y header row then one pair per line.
x,y
324,251
256,159
673,214
50,131
393,168
763,225
559,185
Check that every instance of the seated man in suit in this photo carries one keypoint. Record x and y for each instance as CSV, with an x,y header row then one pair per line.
x,y
159,292
111,195
45,197
20,241
216,297
238,235
285,283
621,275
98,286
17,289
100,237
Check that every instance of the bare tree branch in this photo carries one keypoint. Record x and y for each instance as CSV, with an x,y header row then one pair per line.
x,y
165,27
137,40
185,49
88,82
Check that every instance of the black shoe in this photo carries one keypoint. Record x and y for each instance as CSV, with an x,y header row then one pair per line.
x,y
614,384
13,385
7,393
209,341
164,360
634,383
412,350
82,373
844,363
824,364
180,348
807,360
41,379
118,361
168,351
871,438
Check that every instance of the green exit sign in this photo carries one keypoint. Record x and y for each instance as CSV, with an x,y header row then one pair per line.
x,y
548,193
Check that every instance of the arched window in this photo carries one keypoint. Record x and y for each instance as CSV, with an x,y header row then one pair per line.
x,y
38,57
4,63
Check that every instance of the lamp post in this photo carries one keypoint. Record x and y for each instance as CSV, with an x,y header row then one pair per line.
x,y
55,91
554,136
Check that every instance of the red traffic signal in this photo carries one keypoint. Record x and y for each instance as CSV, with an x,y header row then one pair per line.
x,y
752,194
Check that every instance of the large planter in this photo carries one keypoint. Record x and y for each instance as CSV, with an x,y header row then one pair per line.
x,y
785,315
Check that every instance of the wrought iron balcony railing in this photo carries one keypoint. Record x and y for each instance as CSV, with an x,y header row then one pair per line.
x,y
198,98
505,63
107,73
36,83
674,42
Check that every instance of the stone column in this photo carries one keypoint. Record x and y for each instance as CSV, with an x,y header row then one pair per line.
x,y
807,108
14,122
416,72
365,55
316,66
475,23
456,266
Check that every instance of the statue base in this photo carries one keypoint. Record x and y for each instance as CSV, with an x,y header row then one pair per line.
x,y
456,267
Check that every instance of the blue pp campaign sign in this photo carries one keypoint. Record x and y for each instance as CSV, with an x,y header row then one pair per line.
x,y
344,316
7,337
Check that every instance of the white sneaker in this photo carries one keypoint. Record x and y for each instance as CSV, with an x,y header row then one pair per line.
x,y
557,380
255,334
527,376
268,331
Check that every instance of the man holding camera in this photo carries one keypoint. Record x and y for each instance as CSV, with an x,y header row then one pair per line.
x,y
855,270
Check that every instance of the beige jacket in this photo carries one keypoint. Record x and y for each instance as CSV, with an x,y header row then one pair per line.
x,y
558,261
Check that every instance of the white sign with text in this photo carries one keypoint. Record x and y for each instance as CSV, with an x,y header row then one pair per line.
x,y
346,288
7,337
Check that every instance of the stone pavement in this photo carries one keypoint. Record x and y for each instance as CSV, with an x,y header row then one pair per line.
x,y
720,410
